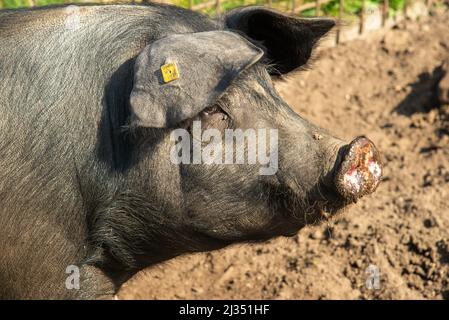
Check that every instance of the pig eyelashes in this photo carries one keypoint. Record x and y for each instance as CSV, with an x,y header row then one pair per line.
x,y
212,117
211,110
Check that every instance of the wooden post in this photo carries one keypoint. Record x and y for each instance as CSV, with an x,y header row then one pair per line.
x,y
405,8
362,17
190,4
32,3
385,12
293,6
218,6
317,7
270,3
340,17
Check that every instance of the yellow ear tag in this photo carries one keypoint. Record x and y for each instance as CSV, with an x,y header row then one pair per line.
x,y
170,72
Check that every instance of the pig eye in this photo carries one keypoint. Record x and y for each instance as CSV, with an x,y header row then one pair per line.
x,y
214,117
215,111
211,110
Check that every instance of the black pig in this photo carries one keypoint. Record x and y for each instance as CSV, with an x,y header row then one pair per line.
x,y
89,99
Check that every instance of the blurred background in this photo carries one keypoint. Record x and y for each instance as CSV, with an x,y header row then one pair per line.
x,y
362,15
351,8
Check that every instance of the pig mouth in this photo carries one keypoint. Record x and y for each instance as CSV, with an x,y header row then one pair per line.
x,y
319,204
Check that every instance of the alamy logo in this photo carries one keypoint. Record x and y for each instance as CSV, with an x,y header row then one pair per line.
x,y
238,146
73,280
373,280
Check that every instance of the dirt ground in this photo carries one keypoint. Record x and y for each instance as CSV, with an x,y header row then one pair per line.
x,y
384,86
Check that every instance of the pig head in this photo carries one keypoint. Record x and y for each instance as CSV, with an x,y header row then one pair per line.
x,y
221,80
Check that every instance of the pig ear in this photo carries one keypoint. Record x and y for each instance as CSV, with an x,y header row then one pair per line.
x,y
178,76
288,41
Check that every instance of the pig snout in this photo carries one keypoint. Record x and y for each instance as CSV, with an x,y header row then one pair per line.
x,y
359,170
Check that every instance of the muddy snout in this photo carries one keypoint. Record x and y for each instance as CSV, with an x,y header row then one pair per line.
x,y
360,169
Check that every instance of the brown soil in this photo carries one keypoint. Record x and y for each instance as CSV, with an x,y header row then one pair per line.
x,y
383,86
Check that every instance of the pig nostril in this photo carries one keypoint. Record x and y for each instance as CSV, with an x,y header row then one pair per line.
x,y
360,171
